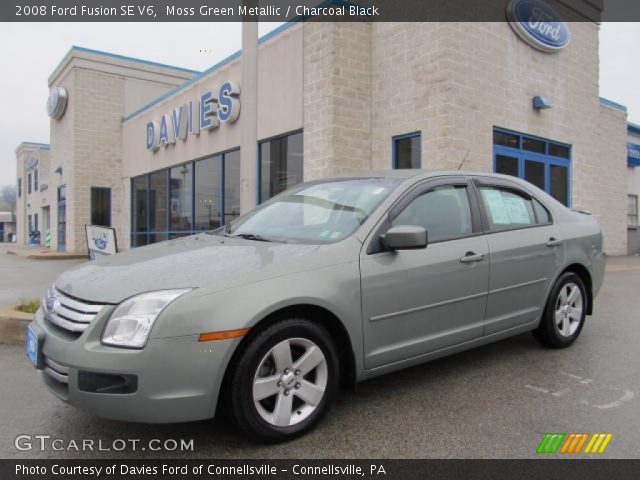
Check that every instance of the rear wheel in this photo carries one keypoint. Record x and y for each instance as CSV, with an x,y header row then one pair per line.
x,y
564,313
284,381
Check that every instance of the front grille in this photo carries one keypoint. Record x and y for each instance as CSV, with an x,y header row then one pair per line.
x,y
68,313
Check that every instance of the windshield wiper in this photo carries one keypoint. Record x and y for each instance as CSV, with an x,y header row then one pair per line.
x,y
250,236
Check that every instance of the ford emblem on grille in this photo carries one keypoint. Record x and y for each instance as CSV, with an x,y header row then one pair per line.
x,y
52,302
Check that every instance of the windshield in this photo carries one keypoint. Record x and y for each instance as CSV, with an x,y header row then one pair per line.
x,y
318,212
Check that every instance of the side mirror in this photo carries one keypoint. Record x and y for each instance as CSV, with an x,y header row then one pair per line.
x,y
405,237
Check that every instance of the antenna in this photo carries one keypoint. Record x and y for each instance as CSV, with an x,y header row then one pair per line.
x,y
463,160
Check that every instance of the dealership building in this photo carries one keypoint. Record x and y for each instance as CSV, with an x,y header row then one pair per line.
x,y
154,150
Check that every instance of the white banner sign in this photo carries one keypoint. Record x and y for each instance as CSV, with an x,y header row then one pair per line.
x,y
101,241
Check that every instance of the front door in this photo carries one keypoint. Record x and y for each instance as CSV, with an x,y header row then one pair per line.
x,y
526,251
420,301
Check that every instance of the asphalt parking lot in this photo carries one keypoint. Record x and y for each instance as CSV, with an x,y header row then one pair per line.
x,y
493,402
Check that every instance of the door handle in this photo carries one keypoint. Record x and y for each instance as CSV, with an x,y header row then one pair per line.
x,y
553,242
471,257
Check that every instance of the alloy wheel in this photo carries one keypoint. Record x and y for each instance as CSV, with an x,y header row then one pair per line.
x,y
568,310
290,382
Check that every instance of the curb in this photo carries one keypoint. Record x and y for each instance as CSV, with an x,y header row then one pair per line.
x,y
13,325
48,255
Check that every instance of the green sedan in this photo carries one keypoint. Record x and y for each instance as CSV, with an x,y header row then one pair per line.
x,y
327,284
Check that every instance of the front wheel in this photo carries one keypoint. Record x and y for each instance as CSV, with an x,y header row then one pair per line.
x,y
284,381
564,313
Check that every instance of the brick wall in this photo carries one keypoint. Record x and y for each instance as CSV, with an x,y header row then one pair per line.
x,y
337,98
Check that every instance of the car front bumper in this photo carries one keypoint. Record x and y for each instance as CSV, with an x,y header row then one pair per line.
x,y
176,379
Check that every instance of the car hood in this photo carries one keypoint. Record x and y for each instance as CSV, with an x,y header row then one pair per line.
x,y
190,262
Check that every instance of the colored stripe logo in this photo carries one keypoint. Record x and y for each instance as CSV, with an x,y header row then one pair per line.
x,y
574,443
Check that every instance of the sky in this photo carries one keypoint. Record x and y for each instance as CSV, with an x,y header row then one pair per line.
x,y
40,47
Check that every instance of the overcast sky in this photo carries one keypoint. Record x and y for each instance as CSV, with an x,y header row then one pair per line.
x,y
30,52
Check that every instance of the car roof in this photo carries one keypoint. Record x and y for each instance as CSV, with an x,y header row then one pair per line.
x,y
418,173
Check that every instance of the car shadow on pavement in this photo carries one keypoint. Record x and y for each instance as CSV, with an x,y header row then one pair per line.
x,y
375,406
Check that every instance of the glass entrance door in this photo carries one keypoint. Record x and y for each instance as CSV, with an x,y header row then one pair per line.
x,y
62,218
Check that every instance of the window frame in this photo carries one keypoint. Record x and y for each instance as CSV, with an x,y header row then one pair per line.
x,y
417,190
259,162
521,155
479,182
166,170
394,148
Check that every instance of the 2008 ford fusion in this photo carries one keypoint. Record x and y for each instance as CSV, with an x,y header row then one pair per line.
x,y
331,282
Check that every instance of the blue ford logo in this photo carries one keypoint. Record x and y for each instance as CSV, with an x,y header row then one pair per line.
x,y
538,24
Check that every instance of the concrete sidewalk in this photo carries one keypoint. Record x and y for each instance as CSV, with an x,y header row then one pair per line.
x,y
622,263
38,252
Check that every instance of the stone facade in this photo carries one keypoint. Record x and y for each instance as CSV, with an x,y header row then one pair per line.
x,y
32,158
352,87
633,188
86,142
453,83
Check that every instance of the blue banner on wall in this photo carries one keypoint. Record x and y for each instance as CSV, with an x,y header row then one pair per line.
x,y
633,154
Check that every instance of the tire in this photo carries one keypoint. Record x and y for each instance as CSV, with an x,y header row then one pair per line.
x,y
564,312
275,398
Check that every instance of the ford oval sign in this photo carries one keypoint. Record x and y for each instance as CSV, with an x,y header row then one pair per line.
x,y
538,24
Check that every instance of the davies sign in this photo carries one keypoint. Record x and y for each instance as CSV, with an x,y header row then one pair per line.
x,y
205,113
538,24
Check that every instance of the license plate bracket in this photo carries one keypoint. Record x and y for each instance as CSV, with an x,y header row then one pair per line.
x,y
33,346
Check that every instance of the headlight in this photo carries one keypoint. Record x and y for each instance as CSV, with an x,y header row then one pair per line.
x,y
131,321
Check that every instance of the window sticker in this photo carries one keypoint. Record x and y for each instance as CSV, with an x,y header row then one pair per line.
x,y
516,209
496,206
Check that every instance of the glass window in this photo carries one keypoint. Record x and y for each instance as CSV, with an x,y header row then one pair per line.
x,y
407,151
444,212
545,164
532,145
507,165
559,183
321,212
35,181
208,173
506,139
101,206
158,200
534,173
506,208
558,150
19,187
181,198
231,185
542,214
29,183
632,211
281,165
139,201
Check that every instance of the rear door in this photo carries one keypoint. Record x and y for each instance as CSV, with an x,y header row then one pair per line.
x,y
526,252
419,301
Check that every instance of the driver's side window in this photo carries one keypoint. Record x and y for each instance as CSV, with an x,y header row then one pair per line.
x,y
443,211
